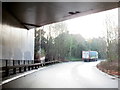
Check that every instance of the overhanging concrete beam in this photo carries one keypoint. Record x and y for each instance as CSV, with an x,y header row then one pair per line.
x,y
33,14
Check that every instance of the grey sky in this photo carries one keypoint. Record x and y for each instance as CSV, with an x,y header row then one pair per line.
x,y
92,25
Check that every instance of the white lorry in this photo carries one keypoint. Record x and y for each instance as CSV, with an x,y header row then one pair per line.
x,y
89,55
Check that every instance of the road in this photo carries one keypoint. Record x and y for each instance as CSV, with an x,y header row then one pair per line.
x,y
66,75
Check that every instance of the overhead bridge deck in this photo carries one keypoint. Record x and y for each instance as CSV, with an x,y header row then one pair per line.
x,y
37,14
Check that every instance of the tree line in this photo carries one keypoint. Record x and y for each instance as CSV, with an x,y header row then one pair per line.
x,y
58,44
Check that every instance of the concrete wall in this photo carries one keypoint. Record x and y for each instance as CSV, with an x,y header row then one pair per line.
x,y
17,42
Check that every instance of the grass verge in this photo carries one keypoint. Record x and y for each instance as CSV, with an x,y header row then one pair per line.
x,y
74,59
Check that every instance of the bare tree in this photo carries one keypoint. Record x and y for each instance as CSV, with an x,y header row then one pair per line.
x,y
112,38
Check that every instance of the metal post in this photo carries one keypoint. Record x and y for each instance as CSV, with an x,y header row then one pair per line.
x,y
7,70
14,70
25,66
19,67
6,63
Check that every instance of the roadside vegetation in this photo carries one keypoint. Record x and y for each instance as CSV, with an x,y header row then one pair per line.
x,y
111,65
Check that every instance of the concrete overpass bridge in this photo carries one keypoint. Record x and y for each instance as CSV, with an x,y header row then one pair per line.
x,y
19,20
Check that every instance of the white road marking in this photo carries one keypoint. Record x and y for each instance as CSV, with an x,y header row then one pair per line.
x,y
24,74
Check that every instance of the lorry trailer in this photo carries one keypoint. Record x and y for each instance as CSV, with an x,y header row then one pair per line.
x,y
89,55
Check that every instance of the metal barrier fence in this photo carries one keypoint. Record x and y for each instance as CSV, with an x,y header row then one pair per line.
x,y
10,67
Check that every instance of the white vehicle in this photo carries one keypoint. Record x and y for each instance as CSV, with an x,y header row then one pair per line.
x,y
89,55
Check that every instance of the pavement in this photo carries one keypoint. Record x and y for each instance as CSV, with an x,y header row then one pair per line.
x,y
65,75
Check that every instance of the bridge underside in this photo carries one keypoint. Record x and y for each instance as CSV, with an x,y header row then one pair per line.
x,y
36,14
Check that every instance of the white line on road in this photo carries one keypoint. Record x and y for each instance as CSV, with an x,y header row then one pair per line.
x,y
24,74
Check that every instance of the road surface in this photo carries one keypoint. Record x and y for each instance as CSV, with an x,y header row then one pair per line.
x,y
66,75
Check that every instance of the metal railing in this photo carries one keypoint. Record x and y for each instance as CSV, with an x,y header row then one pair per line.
x,y
11,67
